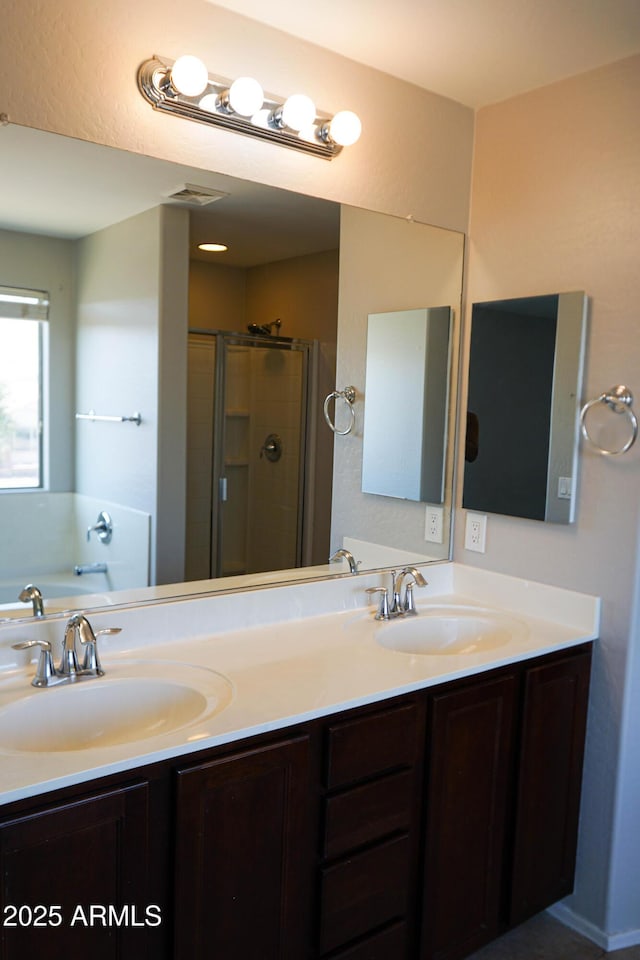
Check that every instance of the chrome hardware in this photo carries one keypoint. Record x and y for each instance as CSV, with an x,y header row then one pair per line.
x,y
93,416
271,448
404,605
620,400
407,605
31,594
103,527
264,329
349,396
81,568
69,662
383,605
77,630
348,556
45,671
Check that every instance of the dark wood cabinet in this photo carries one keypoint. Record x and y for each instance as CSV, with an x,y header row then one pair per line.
x,y
502,799
245,855
548,785
470,751
416,828
75,880
371,831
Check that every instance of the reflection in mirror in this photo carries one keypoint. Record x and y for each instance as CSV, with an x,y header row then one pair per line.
x,y
407,363
525,375
389,264
112,237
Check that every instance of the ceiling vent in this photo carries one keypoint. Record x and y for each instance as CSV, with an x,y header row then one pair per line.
x,y
196,196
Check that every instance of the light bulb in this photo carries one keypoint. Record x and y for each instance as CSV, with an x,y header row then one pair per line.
x,y
209,102
189,76
345,128
246,96
261,118
213,247
298,112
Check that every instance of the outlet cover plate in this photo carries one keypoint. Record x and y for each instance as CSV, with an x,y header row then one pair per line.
x,y
434,523
475,532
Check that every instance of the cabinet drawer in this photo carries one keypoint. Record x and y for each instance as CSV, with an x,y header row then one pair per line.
x,y
367,813
390,944
363,892
372,744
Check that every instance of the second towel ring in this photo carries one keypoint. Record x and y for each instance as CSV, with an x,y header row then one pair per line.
x,y
348,395
620,400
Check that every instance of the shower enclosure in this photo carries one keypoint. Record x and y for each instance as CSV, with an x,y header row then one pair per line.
x,y
249,469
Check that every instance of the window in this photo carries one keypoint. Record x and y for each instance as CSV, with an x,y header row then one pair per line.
x,y
22,317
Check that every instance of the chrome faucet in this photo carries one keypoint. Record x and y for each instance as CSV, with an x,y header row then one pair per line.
x,y
78,631
407,604
31,594
399,606
346,555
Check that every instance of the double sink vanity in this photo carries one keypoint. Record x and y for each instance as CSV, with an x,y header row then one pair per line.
x,y
277,774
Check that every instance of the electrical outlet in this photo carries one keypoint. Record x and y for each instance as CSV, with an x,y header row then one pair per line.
x,y
433,524
475,532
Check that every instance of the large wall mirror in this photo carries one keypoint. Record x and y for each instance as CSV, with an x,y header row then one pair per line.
x,y
222,473
525,376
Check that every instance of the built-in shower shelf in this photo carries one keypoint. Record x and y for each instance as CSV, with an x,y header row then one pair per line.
x,y
237,413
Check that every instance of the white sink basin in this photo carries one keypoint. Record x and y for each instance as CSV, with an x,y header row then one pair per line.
x,y
135,700
448,630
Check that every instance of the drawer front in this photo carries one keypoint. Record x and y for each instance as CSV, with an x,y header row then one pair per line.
x,y
364,892
367,813
390,944
372,744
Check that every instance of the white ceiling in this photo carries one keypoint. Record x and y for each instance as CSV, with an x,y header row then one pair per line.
x,y
474,51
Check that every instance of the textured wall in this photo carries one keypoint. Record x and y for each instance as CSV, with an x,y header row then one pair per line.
x,y
385,264
556,207
71,68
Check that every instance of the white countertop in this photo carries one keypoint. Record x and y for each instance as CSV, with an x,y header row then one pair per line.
x,y
291,654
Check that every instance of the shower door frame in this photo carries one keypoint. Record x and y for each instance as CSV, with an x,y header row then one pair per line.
x,y
308,424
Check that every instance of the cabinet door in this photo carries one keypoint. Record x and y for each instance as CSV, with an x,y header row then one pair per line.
x,y
470,738
244,855
549,781
77,874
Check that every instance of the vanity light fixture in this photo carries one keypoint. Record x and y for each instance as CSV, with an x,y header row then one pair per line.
x,y
185,88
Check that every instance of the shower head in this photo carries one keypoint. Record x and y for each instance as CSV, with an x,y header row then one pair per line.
x,y
263,329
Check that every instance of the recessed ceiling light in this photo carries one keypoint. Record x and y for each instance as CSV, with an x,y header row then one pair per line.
x,y
213,247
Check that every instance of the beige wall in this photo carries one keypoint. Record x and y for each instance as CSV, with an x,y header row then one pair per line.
x,y
217,296
386,264
71,68
131,332
556,206
303,293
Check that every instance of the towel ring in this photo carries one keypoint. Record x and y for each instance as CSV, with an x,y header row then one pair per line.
x,y
620,400
348,395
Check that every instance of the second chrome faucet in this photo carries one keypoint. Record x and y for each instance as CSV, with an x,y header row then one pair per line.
x,y
78,636
398,606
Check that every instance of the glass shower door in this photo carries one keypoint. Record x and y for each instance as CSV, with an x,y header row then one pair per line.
x,y
263,450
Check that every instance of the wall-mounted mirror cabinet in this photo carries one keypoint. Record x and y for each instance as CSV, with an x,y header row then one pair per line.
x,y
407,394
525,375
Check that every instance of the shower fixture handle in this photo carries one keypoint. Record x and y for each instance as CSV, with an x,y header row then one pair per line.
x,y
272,448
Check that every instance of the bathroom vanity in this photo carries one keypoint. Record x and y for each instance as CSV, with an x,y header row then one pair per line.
x,y
371,803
